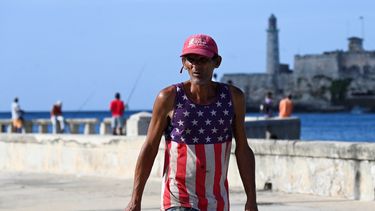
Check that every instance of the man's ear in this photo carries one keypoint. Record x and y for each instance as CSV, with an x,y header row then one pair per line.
x,y
218,61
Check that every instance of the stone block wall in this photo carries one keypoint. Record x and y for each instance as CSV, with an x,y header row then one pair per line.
x,y
308,66
314,167
255,87
138,124
360,61
321,168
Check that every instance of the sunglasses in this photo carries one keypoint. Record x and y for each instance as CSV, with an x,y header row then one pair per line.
x,y
197,60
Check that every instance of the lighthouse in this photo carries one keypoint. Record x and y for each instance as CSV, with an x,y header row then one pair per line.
x,y
273,61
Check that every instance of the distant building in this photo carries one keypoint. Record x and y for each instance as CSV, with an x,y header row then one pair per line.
x,y
349,75
332,80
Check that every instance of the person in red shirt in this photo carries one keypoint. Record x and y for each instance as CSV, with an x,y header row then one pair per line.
x,y
117,108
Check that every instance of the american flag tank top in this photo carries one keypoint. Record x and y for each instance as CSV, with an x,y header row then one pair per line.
x,y
198,145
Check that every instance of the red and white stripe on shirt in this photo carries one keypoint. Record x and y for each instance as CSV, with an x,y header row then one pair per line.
x,y
196,176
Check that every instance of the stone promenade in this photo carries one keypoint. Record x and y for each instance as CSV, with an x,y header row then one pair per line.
x,y
29,191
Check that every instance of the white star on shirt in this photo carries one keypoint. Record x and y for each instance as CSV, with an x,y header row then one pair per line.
x,y
192,105
227,136
195,140
188,131
220,138
200,113
213,113
214,130
208,122
208,139
230,103
225,129
172,136
194,122
221,121
178,89
184,97
180,123
201,131
179,105
226,112
218,104
186,113
177,130
182,139
222,95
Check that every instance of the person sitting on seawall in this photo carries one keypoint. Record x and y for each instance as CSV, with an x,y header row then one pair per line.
x,y
17,117
117,108
267,106
286,107
57,119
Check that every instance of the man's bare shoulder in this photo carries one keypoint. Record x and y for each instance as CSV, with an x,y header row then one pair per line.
x,y
165,99
235,91
164,102
168,93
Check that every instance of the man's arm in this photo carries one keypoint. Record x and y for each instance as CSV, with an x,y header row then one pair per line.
x,y
244,155
163,106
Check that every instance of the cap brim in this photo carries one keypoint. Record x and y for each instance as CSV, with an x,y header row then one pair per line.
x,y
199,51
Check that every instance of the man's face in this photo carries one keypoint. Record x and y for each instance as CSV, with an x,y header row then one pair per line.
x,y
200,68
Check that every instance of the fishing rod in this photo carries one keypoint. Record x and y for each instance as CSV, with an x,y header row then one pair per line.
x,y
135,85
86,101
128,100
92,93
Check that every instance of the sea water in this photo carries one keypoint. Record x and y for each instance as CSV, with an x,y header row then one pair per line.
x,y
338,126
314,126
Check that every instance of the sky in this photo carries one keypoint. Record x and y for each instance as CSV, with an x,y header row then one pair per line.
x,y
84,51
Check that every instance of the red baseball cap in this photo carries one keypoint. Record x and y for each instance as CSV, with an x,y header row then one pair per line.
x,y
200,44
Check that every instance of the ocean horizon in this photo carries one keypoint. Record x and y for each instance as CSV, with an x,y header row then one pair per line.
x,y
343,126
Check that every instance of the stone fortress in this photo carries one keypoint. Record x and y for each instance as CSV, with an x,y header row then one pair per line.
x,y
331,81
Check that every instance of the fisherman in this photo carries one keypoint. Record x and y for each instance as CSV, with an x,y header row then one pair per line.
x,y
267,106
17,117
117,108
57,118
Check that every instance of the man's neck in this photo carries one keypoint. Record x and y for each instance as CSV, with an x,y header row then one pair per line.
x,y
201,93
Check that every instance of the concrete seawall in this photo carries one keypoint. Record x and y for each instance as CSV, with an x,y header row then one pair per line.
x,y
319,168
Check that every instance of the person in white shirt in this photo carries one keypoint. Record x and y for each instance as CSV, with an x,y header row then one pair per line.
x,y
57,118
17,117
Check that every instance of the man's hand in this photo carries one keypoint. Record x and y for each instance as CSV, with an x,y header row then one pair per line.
x,y
132,206
251,206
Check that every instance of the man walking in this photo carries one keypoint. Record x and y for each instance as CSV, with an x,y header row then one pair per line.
x,y
199,117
